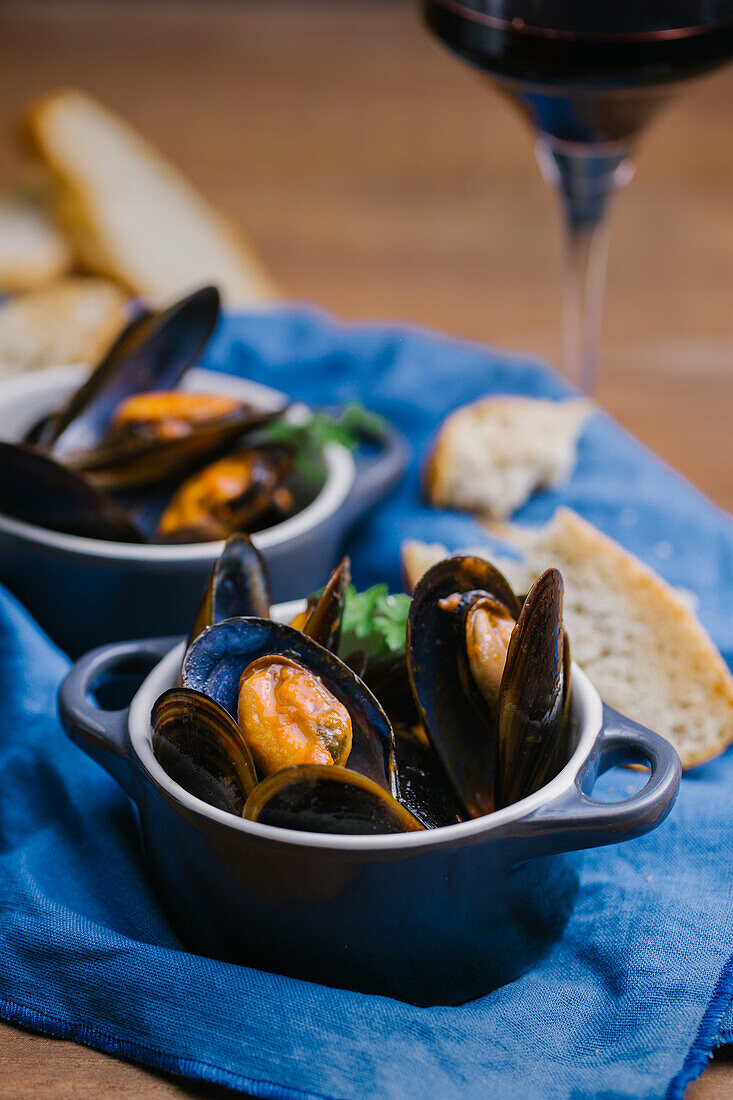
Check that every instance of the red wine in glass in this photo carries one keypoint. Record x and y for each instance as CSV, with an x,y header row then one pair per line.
x,y
588,74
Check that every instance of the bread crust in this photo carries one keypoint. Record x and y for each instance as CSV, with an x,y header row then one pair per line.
x,y
80,210
490,456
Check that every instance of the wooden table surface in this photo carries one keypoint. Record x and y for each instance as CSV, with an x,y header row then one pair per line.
x,y
380,178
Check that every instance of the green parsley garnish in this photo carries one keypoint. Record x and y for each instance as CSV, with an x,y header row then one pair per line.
x,y
352,426
374,621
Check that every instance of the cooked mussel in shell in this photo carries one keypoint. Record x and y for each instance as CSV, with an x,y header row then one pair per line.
x,y
318,799
478,703
152,353
232,494
202,748
35,489
181,466
216,661
239,584
288,716
531,742
321,620
457,722
491,680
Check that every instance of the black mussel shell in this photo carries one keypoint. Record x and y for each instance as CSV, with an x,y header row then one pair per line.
x,y
45,433
388,679
153,353
462,741
318,798
202,748
36,489
420,782
140,461
238,585
323,624
216,659
531,743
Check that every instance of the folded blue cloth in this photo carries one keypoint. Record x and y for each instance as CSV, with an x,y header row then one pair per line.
x,y
632,1000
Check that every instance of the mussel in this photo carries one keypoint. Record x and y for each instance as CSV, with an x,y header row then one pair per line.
x,y
320,799
532,721
491,680
35,489
322,618
232,494
110,462
289,716
479,703
437,656
202,748
218,659
153,353
239,584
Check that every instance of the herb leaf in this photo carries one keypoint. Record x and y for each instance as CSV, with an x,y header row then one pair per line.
x,y
374,621
308,437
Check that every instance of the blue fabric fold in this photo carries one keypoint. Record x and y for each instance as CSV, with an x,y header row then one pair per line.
x,y
631,1001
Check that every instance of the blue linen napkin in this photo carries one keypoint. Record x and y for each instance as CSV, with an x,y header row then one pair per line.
x,y
629,1003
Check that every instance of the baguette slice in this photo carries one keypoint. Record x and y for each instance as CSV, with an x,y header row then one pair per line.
x,y
636,637
32,251
130,214
492,455
73,320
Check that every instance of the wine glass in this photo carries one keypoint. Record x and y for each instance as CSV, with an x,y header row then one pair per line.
x,y
588,75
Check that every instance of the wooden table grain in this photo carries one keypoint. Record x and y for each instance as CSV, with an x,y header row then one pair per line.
x,y
380,178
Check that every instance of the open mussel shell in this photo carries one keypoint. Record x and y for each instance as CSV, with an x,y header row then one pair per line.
x,y
463,742
388,679
202,748
238,585
138,461
36,489
323,623
531,744
153,353
421,784
216,659
316,798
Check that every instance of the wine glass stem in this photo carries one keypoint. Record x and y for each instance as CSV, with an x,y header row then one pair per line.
x,y
585,279
585,182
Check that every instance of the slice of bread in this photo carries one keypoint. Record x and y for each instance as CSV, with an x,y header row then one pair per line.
x,y
130,214
636,638
492,455
73,320
32,251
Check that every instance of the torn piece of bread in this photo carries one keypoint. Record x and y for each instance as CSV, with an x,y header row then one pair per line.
x,y
130,214
634,636
73,320
32,251
492,455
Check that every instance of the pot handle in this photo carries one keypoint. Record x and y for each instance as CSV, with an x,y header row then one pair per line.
x,y
576,820
376,475
103,734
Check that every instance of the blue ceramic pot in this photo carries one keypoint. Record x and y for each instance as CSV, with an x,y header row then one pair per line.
x,y
440,916
87,591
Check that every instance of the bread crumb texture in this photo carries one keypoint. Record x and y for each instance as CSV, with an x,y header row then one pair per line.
x,y
72,320
492,455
